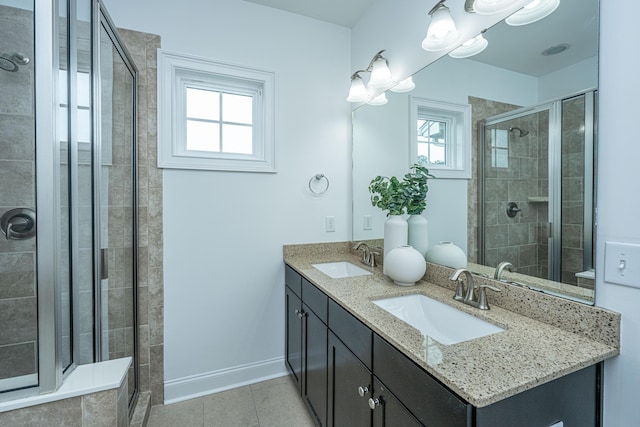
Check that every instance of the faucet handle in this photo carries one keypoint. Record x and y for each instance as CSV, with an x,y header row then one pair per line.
x,y
483,304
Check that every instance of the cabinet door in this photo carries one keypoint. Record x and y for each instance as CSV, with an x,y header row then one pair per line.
x,y
346,375
315,365
388,409
293,335
573,399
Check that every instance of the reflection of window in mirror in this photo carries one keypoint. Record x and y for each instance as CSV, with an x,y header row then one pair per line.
x,y
499,148
433,134
441,137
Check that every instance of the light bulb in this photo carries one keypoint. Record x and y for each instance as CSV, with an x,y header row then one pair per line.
x,y
380,74
442,32
357,91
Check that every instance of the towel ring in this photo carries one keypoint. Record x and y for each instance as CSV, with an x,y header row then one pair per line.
x,y
321,182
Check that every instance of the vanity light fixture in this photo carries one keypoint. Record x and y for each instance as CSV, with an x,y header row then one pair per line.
x,y
471,47
380,79
442,32
380,73
357,91
406,85
532,12
487,7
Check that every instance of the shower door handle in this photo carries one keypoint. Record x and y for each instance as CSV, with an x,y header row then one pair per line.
x,y
18,224
104,264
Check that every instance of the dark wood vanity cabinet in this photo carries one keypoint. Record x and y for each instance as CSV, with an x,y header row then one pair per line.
x,y
350,376
306,341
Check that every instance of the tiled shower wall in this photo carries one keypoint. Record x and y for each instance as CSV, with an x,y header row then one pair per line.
x,y
143,49
480,110
573,118
18,305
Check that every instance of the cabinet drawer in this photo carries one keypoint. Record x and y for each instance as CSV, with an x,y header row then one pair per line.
x,y
353,333
315,299
427,399
293,280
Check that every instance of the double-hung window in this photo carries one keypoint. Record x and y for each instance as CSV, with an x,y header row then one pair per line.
x,y
215,116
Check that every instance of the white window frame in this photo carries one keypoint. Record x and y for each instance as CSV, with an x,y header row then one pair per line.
x,y
458,145
177,72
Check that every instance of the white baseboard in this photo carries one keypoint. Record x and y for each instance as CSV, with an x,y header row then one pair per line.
x,y
224,379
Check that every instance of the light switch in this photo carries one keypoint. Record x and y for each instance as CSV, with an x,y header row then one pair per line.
x,y
367,221
622,264
330,224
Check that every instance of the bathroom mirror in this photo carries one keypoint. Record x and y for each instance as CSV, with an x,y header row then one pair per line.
x,y
533,118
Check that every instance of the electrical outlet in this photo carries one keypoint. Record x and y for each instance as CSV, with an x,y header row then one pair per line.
x,y
622,264
367,222
330,224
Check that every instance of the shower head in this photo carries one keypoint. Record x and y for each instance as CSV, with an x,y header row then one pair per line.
x,y
522,132
12,62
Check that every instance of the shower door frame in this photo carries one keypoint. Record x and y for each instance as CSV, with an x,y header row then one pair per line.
x,y
101,19
554,108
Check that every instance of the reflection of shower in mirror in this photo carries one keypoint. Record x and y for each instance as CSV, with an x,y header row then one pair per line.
x,y
521,132
12,62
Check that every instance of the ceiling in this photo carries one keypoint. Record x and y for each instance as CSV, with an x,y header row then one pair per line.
x,y
575,22
340,12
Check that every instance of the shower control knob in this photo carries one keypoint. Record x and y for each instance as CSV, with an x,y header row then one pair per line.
x,y
512,209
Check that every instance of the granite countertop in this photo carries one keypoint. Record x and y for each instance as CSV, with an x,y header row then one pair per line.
x,y
527,353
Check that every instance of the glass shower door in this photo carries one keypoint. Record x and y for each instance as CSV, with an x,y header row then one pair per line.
x,y
18,287
117,204
515,193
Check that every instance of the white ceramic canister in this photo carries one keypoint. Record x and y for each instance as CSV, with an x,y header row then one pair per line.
x,y
418,233
396,232
447,254
405,265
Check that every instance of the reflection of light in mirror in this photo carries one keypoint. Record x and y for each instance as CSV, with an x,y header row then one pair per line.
x,y
378,100
406,85
533,12
489,7
471,47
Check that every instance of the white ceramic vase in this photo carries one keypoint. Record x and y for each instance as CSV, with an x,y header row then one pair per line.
x,y
447,254
396,232
405,265
418,233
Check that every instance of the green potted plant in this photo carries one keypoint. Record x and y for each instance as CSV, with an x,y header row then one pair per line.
x,y
398,197
388,194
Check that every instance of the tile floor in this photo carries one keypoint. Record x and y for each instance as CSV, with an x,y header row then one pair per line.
x,y
273,403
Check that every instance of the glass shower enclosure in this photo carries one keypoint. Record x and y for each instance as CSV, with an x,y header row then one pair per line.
x,y
537,189
67,194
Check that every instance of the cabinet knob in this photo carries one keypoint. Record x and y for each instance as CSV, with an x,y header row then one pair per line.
x,y
300,313
373,403
363,390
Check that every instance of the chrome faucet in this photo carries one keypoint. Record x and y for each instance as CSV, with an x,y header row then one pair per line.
x,y
501,267
468,295
368,255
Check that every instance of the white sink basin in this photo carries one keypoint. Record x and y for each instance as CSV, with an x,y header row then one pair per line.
x,y
437,320
337,270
